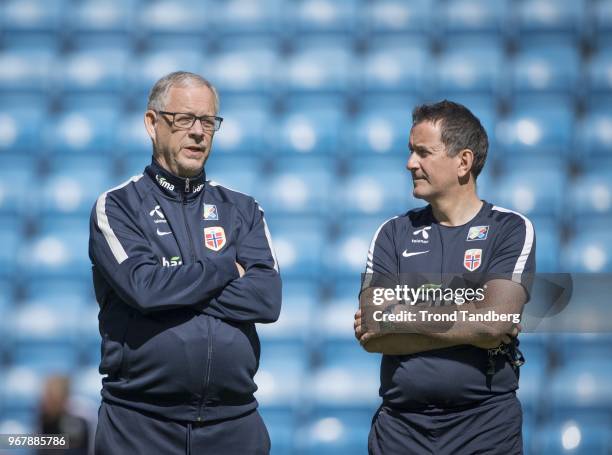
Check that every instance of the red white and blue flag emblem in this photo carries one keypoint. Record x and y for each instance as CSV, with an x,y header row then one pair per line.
x,y
472,259
214,238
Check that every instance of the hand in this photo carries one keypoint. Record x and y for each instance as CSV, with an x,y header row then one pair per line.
x,y
362,337
240,270
493,341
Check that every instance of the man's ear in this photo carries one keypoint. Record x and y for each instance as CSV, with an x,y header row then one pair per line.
x,y
466,161
150,121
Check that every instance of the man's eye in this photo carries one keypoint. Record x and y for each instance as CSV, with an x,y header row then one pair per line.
x,y
183,120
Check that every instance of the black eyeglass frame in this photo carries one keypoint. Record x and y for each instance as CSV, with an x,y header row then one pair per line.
x,y
201,118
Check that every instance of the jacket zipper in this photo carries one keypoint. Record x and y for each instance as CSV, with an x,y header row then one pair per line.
x,y
210,333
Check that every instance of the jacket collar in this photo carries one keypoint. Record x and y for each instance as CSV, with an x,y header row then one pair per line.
x,y
173,185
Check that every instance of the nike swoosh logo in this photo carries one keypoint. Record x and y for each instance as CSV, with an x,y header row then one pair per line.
x,y
406,254
163,233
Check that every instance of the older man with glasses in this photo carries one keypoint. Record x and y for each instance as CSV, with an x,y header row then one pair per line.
x,y
183,268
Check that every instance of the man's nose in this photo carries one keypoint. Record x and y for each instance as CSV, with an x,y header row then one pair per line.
x,y
196,129
413,162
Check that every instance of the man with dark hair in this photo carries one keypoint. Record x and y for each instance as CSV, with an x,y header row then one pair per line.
x,y
448,387
183,268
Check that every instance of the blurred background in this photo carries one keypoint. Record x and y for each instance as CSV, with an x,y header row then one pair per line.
x,y
317,97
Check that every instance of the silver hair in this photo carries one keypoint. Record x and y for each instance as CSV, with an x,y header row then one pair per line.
x,y
159,92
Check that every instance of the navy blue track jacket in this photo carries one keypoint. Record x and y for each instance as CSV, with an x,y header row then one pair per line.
x,y
177,321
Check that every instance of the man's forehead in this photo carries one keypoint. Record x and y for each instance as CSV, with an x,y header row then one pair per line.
x,y
425,130
190,98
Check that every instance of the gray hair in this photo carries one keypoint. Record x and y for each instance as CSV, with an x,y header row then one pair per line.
x,y
159,92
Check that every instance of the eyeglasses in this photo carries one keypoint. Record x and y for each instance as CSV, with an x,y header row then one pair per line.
x,y
184,121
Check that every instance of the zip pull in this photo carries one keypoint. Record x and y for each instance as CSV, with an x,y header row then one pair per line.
x,y
187,185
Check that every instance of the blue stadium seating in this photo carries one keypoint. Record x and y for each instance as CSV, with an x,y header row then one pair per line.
x,y
585,436
178,17
21,122
15,184
475,16
250,67
546,67
590,195
281,426
377,186
99,70
548,243
561,17
26,70
589,250
133,138
594,137
537,126
299,184
11,234
239,173
532,186
145,70
396,65
103,17
247,17
337,431
73,186
399,16
321,66
382,126
83,131
311,127
60,249
32,15
602,18
470,65
20,389
281,375
300,300
299,243
248,126
598,72
318,16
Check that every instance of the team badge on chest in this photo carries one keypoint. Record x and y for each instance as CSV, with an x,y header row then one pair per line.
x,y
214,238
210,212
477,233
472,259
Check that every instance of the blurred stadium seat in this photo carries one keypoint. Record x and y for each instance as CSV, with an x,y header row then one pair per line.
x,y
583,436
247,128
321,66
532,186
311,125
537,126
561,17
399,16
470,65
394,65
299,184
381,126
475,16
594,134
546,67
377,185
589,250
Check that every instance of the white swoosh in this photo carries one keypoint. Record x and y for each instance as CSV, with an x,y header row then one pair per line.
x,y
406,254
163,233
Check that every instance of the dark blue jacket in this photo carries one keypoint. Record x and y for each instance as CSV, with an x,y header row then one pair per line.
x,y
177,322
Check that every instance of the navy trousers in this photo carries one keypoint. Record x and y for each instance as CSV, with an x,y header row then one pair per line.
x,y
126,431
492,427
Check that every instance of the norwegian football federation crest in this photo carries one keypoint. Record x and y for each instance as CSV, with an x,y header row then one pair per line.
x,y
472,259
214,238
210,212
478,233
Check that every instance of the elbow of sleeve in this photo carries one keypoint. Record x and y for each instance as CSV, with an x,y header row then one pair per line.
x,y
271,300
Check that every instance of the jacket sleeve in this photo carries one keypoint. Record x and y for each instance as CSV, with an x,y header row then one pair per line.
x,y
121,253
256,296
